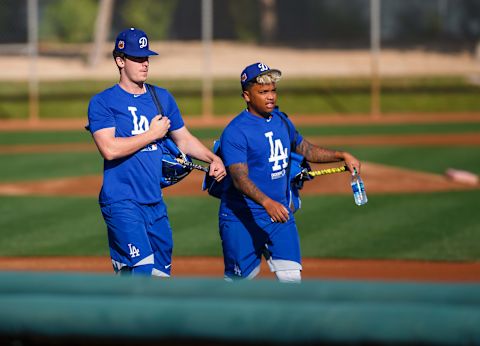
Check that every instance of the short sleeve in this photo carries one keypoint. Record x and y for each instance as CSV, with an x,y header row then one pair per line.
x,y
233,146
99,115
297,137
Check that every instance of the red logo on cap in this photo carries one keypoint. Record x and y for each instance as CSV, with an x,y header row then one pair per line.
x,y
121,44
244,77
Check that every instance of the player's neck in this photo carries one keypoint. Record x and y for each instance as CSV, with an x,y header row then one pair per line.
x,y
132,87
259,114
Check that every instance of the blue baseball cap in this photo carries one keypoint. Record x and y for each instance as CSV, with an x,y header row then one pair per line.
x,y
253,71
133,42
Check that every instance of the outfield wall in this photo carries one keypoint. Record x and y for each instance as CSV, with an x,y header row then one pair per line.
x,y
81,309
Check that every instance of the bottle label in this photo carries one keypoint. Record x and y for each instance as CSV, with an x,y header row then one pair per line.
x,y
357,188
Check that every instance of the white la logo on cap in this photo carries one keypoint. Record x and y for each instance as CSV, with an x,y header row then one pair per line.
x,y
263,67
143,42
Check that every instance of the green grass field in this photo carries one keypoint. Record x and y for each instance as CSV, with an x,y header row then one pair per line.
x,y
305,96
427,226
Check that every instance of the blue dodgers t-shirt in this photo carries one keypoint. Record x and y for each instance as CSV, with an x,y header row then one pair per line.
x,y
264,145
136,177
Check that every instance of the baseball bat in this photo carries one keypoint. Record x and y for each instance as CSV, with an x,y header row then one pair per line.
x,y
310,173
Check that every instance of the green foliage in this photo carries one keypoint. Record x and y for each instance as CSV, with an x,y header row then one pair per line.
x,y
152,16
246,22
68,21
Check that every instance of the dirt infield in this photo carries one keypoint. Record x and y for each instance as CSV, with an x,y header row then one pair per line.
x,y
376,176
331,269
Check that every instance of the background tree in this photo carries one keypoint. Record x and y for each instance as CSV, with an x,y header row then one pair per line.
x,y
68,21
246,22
152,16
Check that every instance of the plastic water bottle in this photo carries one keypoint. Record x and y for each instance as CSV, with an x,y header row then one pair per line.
x,y
358,188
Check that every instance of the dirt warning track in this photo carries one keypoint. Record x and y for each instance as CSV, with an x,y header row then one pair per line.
x,y
327,269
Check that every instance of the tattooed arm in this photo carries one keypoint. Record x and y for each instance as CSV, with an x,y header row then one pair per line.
x,y
241,181
314,153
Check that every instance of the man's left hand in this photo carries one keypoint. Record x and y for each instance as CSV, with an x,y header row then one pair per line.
x,y
217,169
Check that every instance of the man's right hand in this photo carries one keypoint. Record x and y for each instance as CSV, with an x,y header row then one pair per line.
x,y
276,211
159,126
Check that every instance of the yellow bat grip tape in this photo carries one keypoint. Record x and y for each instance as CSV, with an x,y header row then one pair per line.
x,y
327,171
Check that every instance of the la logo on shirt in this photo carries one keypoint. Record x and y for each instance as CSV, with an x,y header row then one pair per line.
x,y
278,155
141,125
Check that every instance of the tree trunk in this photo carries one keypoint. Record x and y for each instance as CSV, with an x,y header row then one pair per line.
x,y
102,27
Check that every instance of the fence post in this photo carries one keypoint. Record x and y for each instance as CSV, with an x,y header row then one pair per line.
x,y
207,82
33,108
375,108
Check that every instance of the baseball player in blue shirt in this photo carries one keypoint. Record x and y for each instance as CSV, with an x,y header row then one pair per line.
x,y
254,216
128,132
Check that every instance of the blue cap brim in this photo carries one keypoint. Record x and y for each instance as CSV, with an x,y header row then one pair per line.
x,y
143,54
147,53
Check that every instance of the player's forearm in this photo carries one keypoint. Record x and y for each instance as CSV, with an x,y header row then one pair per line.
x,y
191,145
117,147
199,151
318,154
241,181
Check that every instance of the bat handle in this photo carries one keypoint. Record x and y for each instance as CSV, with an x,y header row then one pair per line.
x,y
192,165
201,168
328,171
